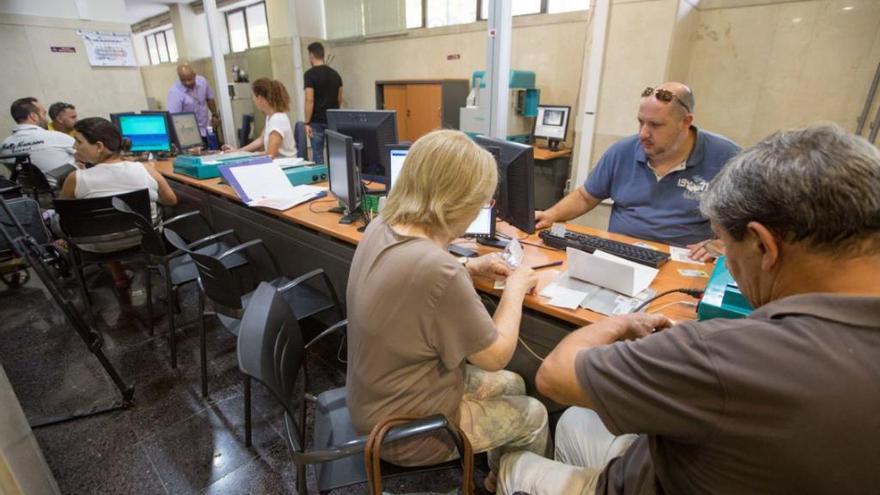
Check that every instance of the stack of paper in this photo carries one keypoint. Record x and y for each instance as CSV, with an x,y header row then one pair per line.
x,y
291,162
266,185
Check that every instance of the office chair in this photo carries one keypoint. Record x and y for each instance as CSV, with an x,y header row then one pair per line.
x,y
92,221
244,132
271,350
31,179
301,140
229,299
175,266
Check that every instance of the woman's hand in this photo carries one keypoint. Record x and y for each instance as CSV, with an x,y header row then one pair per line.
x,y
489,265
522,280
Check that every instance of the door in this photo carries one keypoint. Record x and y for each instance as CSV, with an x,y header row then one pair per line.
x,y
422,110
394,96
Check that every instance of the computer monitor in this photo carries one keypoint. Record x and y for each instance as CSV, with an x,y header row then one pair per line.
x,y
552,124
345,180
147,132
373,129
515,200
186,130
396,155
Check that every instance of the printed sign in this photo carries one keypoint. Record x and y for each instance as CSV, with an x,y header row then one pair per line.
x,y
109,49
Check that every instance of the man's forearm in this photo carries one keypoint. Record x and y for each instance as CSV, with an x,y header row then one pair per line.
x,y
573,205
212,106
310,107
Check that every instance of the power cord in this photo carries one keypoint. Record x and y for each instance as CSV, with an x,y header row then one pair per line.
x,y
529,350
695,293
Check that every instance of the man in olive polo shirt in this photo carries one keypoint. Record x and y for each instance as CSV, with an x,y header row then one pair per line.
x,y
784,401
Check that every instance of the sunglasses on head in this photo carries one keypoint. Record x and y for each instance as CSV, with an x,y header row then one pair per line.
x,y
664,95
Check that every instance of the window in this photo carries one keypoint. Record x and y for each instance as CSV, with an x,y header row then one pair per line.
x,y
247,27
161,47
414,14
520,7
557,6
449,12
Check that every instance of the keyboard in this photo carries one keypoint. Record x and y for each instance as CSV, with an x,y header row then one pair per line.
x,y
589,243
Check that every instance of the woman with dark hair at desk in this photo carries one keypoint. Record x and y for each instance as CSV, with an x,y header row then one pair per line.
x,y
271,98
415,319
99,143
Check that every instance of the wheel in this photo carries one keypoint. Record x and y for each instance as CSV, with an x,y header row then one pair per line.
x,y
16,279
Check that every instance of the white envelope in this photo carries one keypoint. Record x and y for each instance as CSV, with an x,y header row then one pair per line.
x,y
609,271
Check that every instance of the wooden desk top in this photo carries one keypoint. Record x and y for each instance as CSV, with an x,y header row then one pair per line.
x,y
314,215
545,154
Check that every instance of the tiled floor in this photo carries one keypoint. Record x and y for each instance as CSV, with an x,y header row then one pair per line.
x,y
172,440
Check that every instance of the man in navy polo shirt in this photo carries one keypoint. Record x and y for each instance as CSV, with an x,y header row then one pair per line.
x,y
656,178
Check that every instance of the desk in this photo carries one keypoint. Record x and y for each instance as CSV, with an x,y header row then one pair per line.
x,y
552,169
307,237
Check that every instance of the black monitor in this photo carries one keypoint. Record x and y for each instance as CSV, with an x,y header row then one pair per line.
x,y
345,180
515,200
373,129
146,131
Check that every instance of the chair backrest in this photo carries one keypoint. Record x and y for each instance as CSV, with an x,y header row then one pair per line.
x,y
91,217
27,212
271,348
30,177
151,242
299,137
244,132
218,283
9,189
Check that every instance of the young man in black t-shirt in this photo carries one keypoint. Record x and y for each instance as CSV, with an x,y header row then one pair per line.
x,y
323,92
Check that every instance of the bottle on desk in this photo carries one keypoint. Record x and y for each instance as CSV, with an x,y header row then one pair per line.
x,y
213,142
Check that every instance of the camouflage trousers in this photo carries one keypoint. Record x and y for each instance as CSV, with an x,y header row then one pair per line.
x,y
498,417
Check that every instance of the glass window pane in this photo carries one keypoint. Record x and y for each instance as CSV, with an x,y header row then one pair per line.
x,y
556,6
151,49
162,47
237,33
413,14
258,30
523,7
172,45
449,12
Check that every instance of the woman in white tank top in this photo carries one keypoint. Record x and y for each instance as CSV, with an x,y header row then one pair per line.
x,y
271,98
98,142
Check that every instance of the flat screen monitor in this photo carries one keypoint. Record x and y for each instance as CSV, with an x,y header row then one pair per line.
x,y
373,129
396,155
186,130
147,132
344,178
515,200
552,124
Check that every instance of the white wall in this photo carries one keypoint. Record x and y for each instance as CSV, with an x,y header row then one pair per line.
x,y
95,10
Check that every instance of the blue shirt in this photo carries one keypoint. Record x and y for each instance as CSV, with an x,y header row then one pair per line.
x,y
665,210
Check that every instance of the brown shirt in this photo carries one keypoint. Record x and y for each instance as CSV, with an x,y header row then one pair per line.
x,y
414,317
785,401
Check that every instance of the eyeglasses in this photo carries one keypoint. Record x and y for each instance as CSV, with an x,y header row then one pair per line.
x,y
664,95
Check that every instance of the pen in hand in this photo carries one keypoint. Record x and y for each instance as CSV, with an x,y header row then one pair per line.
x,y
547,265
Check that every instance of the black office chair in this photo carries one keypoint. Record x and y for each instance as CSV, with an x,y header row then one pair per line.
x,y
271,350
176,267
301,139
31,179
229,299
95,220
244,132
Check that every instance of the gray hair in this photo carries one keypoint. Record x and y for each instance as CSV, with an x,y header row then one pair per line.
x,y
819,185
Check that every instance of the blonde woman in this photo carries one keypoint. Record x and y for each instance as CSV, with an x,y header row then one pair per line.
x,y
271,98
415,320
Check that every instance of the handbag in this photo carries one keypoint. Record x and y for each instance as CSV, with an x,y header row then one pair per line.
x,y
373,457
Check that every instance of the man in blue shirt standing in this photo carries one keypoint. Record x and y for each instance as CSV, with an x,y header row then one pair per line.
x,y
656,178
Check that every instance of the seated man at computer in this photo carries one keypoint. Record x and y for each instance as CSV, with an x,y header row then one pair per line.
x,y
783,401
656,178
50,151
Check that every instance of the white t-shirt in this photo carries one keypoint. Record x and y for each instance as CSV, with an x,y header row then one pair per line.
x,y
280,123
49,150
109,179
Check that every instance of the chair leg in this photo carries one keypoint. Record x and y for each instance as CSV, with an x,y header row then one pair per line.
x,y
171,296
301,479
203,340
87,302
149,289
247,411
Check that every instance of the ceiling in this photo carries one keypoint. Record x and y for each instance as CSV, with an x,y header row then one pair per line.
x,y
138,10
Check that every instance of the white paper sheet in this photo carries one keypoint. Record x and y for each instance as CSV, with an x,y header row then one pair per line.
x,y
566,298
291,162
681,255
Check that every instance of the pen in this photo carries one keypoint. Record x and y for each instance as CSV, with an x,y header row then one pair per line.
x,y
547,265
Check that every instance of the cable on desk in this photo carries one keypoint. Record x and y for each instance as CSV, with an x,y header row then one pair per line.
x,y
542,246
673,303
695,293
311,204
529,349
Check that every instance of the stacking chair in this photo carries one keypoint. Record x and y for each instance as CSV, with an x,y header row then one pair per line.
x,y
31,179
221,287
175,266
271,350
92,220
301,139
